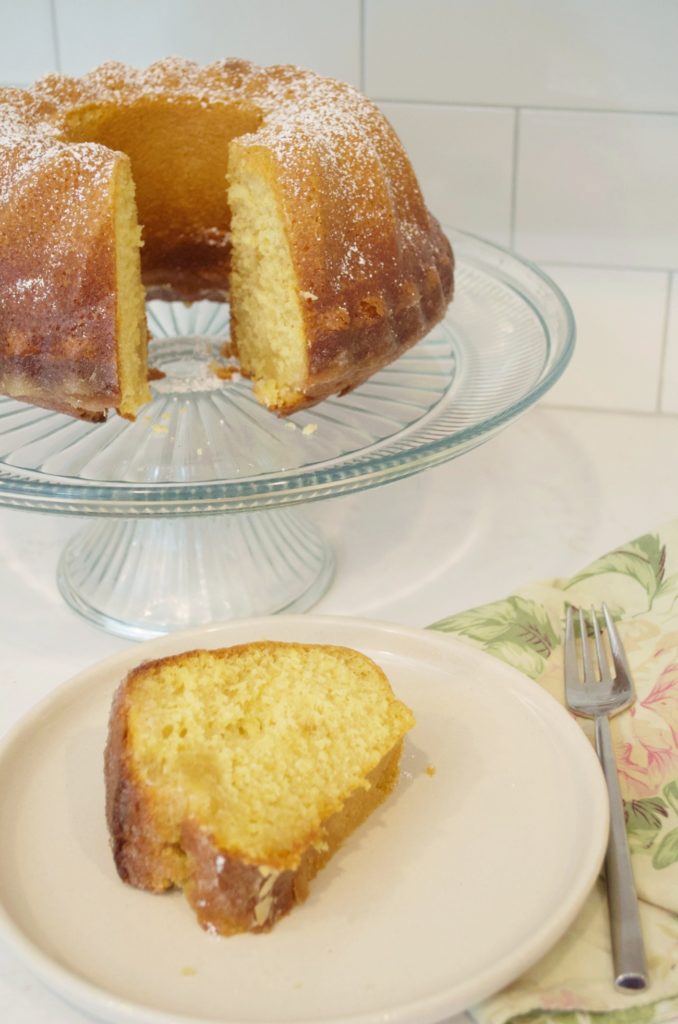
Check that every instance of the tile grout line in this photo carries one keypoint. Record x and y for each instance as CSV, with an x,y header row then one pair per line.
x,y
514,179
576,265
665,340
55,34
599,411
541,107
361,36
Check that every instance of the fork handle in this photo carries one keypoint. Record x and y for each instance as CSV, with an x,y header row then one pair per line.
x,y
628,951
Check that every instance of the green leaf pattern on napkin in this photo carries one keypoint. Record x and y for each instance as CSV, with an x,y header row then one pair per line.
x,y
516,630
633,1015
667,851
643,820
643,560
639,582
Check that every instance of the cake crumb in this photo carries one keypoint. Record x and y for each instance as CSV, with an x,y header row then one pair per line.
x,y
222,372
188,972
290,425
430,770
310,428
160,428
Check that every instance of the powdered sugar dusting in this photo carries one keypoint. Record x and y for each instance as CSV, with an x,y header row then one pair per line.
x,y
315,130
56,193
303,117
32,285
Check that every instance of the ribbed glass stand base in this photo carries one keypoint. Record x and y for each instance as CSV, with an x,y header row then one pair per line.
x,y
144,578
191,499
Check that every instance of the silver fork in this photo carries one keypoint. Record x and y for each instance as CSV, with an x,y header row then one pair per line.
x,y
595,693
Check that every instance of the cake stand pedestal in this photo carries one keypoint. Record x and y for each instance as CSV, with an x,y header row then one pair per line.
x,y
192,503
143,578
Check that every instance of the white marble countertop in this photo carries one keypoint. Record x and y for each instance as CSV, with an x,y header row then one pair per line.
x,y
549,494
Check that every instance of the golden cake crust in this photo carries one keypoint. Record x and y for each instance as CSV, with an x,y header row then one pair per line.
x,y
374,270
57,306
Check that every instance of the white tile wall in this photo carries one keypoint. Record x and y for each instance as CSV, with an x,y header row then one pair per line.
x,y
669,392
593,54
321,35
620,318
27,46
467,182
550,126
598,188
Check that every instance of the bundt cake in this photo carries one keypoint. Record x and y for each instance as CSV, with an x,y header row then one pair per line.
x,y
235,774
287,193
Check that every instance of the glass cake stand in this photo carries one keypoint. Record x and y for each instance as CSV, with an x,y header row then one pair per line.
x,y
192,505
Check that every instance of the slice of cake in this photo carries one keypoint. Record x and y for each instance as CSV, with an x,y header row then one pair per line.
x,y
235,774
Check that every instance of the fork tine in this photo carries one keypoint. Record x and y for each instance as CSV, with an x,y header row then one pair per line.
x,y
570,649
568,641
585,649
603,666
622,670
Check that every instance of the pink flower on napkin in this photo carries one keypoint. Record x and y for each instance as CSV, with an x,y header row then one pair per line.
x,y
647,737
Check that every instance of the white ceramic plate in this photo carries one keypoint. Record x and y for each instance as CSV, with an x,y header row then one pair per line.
x,y
448,892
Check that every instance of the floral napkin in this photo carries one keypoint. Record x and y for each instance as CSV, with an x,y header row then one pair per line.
x,y
572,984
